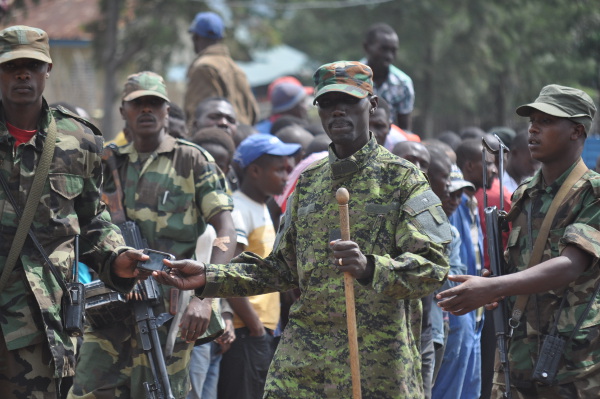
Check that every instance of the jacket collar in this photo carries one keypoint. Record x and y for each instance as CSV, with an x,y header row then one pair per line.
x,y
355,162
167,145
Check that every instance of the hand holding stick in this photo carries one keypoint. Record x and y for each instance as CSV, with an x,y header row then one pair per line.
x,y
343,197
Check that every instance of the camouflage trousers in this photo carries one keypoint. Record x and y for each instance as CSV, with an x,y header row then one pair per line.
x,y
112,364
28,373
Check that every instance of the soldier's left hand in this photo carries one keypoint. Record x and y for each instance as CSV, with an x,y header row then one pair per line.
x,y
350,259
473,293
125,265
196,319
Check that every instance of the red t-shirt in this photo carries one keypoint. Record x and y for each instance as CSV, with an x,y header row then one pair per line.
x,y
22,136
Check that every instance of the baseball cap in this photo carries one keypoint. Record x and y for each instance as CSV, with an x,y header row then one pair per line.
x,y
564,102
350,77
288,79
286,96
252,147
144,84
457,180
208,24
22,41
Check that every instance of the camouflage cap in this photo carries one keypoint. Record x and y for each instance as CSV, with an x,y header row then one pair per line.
x,y
564,102
457,180
22,41
144,84
350,77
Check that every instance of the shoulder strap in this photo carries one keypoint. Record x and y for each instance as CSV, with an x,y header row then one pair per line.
x,y
540,241
33,200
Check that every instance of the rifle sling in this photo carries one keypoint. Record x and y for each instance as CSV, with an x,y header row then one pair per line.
x,y
33,200
540,241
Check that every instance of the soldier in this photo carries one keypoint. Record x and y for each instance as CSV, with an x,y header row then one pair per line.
x,y
559,120
398,230
37,357
171,189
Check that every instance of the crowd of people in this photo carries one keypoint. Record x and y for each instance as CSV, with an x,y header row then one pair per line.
x,y
253,303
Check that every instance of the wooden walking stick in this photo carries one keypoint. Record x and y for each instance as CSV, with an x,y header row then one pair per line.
x,y
343,197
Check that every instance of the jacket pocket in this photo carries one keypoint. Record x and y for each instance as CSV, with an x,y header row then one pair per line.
x,y
60,203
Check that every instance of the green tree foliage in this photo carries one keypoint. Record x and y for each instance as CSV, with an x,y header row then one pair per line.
x,y
472,61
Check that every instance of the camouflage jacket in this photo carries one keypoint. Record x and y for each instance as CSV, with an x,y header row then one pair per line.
x,y
398,222
70,205
577,222
172,194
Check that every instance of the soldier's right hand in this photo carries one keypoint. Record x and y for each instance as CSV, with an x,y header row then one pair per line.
x,y
185,274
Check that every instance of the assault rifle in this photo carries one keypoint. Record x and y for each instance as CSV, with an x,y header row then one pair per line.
x,y
496,223
147,293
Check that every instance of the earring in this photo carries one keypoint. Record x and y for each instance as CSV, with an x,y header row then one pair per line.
x,y
372,111
47,75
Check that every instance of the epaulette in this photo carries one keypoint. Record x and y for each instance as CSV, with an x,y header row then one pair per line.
x,y
79,119
206,154
594,179
317,164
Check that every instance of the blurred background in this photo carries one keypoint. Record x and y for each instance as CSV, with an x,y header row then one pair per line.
x,y
472,61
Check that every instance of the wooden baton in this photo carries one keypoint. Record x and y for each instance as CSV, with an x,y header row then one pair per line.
x,y
343,197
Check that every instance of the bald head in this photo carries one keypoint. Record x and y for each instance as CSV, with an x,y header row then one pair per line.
x,y
295,134
439,172
413,152
468,151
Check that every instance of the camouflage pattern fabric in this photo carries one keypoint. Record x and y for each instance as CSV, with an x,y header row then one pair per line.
x,y
577,222
397,221
70,204
350,77
170,195
112,364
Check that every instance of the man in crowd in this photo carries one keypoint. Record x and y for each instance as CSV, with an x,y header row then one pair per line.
x,y
390,83
398,233
287,98
214,74
560,292
520,165
171,189
37,357
218,112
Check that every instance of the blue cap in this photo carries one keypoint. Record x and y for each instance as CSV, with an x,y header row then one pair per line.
x,y
256,145
208,24
286,96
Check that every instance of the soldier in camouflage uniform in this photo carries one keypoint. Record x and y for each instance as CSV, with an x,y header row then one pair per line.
x,y
171,189
559,121
37,357
398,232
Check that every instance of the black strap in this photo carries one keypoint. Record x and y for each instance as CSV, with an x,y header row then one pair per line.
x,y
31,204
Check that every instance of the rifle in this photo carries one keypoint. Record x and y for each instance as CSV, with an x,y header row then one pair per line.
x,y
146,296
496,223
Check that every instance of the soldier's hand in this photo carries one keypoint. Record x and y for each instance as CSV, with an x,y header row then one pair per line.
x,y
125,265
349,258
185,274
196,319
473,293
